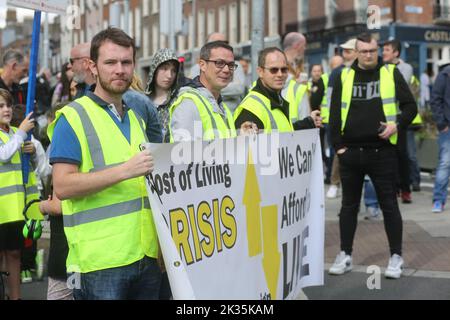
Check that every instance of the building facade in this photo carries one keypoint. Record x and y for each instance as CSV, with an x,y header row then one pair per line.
x,y
421,25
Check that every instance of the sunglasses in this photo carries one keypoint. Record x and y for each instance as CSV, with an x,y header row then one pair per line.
x,y
274,70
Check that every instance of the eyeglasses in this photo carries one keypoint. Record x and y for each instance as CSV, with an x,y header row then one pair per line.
x,y
364,52
72,60
222,63
274,70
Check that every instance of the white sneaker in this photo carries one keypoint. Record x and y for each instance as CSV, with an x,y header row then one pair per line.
x,y
342,264
394,268
332,192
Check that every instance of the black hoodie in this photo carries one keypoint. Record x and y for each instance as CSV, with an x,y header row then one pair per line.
x,y
366,109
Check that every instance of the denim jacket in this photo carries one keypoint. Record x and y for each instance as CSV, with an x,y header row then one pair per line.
x,y
143,106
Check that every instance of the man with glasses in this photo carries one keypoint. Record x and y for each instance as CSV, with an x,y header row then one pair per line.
x,y
264,105
364,125
233,93
79,62
199,111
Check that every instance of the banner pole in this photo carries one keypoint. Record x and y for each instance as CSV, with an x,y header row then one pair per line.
x,y
32,84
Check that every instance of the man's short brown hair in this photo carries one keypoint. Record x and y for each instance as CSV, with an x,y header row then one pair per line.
x,y
116,36
263,54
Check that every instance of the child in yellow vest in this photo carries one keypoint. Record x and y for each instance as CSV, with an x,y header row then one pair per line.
x,y
12,197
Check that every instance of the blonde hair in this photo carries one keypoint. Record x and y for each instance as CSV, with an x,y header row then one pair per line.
x,y
136,83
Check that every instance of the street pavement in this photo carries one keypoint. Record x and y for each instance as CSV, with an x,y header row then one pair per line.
x,y
426,250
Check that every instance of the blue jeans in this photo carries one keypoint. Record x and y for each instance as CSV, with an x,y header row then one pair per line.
x,y
443,168
137,281
414,169
370,196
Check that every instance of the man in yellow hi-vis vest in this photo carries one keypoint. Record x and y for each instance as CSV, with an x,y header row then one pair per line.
x,y
364,123
264,106
199,111
98,173
391,54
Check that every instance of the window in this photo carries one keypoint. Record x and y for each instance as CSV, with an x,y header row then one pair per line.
x,y
181,43
302,14
223,20
201,27
211,25
191,43
273,17
145,8
155,36
163,43
233,23
130,25
137,26
155,6
145,42
245,22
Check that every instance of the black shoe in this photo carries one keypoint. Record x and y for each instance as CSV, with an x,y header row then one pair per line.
x,y
416,187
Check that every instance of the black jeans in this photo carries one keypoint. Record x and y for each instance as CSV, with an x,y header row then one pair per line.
x,y
381,166
403,162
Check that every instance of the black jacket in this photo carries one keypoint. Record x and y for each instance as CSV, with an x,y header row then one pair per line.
x,y
276,102
366,109
19,97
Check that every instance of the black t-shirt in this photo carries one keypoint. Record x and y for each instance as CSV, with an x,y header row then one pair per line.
x,y
19,97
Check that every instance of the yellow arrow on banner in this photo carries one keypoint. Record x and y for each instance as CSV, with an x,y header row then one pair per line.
x,y
251,200
271,256
261,239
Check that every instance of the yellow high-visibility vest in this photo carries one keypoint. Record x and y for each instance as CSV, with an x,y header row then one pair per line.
x,y
213,124
324,108
294,95
113,227
387,92
259,105
13,194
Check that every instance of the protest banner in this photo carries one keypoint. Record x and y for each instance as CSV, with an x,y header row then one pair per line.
x,y
245,216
